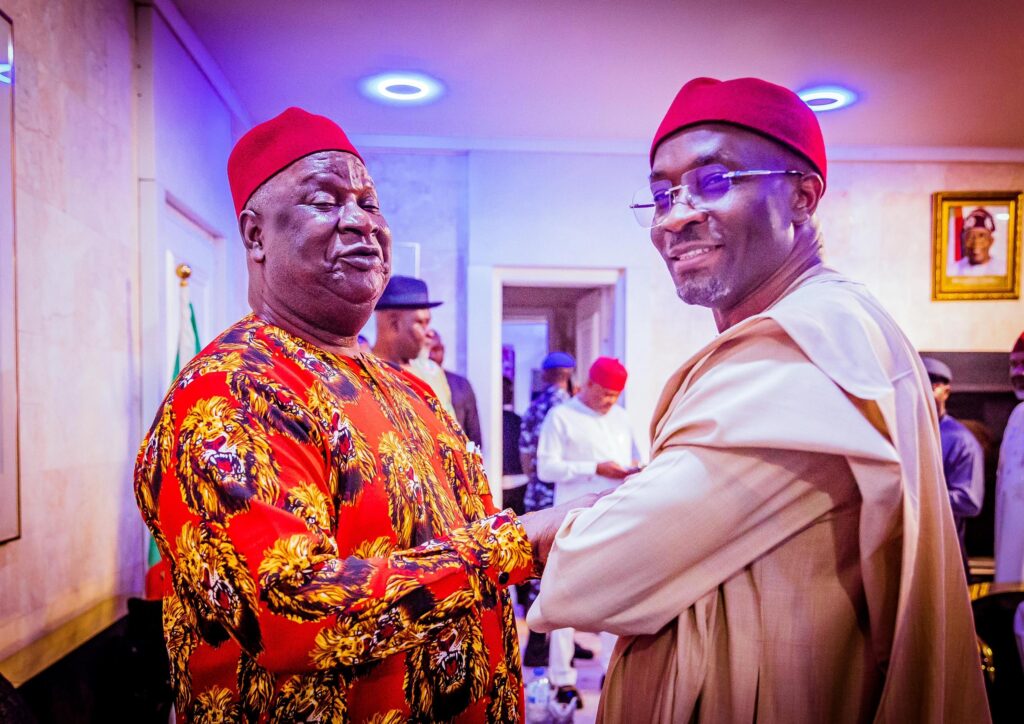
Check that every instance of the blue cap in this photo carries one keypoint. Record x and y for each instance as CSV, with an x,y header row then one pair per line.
x,y
935,368
558,359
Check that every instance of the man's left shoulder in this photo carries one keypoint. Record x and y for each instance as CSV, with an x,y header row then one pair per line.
x,y
843,330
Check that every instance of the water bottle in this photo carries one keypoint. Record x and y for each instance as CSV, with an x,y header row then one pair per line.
x,y
538,694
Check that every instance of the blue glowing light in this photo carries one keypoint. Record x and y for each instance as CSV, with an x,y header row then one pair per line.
x,y
827,97
402,88
6,68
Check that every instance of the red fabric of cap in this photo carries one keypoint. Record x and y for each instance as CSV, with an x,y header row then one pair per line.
x,y
1019,344
609,373
751,103
272,146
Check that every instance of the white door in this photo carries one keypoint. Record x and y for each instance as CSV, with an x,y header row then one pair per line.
x,y
178,236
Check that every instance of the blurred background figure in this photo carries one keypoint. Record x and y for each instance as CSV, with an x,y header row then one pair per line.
x,y
513,480
556,372
1009,543
586,446
463,397
963,462
403,323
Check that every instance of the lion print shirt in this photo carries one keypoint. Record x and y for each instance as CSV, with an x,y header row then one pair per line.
x,y
333,549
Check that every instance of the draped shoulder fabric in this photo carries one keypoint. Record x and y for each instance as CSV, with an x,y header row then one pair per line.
x,y
789,554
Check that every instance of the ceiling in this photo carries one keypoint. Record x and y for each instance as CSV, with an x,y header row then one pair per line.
x,y
602,72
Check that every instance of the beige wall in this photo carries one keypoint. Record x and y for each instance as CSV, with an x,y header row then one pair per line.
x,y
77,267
877,222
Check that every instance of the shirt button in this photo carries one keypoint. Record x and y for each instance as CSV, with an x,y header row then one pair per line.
x,y
503,577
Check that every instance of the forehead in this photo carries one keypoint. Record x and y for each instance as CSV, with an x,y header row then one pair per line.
x,y
336,167
712,143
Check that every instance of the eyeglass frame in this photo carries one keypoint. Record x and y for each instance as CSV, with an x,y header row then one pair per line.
x,y
681,192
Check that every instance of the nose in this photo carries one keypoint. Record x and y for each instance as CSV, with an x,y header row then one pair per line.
x,y
354,217
681,214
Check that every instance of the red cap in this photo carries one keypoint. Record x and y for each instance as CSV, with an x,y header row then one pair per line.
x,y
1018,345
609,373
750,103
273,146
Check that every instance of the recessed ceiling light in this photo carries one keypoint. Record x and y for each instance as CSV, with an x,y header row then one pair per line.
x,y
827,97
402,88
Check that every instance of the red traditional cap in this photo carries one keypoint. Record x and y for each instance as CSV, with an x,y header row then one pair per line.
x,y
751,103
273,146
609,373
1019,345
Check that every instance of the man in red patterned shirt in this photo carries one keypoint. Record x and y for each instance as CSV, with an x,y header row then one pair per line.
x,y
332,545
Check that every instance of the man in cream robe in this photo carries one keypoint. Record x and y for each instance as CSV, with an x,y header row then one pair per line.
x,y
789,554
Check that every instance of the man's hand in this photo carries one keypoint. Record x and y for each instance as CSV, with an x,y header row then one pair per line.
x,y
542,525
612,470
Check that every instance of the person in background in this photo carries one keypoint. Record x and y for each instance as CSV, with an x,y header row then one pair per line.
x,y
463,397
513,480
963,461
1009,543
586,446
556,374
403,327
788,554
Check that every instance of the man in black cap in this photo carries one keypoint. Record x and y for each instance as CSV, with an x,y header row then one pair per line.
x,y
963,462
403,329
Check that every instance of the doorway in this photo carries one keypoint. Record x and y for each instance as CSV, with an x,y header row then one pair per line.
x,y
536,320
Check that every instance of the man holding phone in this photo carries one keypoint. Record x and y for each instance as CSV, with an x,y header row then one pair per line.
x,y
586,446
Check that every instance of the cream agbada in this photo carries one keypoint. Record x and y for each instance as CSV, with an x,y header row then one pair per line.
x,y
789,554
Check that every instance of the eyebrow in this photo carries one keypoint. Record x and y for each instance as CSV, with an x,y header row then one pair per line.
x,y
705,160
336,180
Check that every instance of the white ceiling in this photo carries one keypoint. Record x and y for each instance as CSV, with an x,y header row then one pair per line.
x,y
934,73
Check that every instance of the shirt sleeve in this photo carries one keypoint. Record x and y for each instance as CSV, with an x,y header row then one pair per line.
x,y
729,509
965,475
552,453
724,487
245,519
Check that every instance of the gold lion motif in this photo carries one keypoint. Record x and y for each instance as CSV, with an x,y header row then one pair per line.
x,y
224,590
223,461
318,697
303,579
448,672
216,705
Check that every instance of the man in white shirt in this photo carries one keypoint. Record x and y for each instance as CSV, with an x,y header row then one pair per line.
x,y
586,446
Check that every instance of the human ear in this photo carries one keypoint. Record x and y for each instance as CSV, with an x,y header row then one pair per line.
x,y
251,229
808,193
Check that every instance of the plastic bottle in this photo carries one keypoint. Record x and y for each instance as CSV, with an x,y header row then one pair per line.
x,y
538,693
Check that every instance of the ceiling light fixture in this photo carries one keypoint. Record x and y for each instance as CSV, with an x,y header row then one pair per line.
x,y
402,88
827,97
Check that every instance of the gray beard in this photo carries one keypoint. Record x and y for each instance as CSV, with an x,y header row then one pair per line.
x,y
704,291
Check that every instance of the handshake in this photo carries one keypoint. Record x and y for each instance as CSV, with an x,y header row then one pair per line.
x,y
542,525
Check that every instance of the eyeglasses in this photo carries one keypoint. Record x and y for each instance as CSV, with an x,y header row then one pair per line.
x,y
697,188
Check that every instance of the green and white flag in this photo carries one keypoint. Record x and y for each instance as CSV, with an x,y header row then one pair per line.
x,y
188,347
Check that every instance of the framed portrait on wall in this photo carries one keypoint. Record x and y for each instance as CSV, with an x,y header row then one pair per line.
x,y
976,240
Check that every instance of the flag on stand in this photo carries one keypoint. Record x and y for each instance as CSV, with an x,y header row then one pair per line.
x,y
188,347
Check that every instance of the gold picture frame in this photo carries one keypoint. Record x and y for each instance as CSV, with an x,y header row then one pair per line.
x,y
976,240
